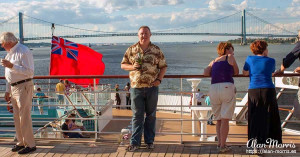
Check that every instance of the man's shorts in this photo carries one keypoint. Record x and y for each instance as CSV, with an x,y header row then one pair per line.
x,y
60,98
222,99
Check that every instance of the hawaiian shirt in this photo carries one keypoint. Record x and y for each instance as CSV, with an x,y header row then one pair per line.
x,y
152,60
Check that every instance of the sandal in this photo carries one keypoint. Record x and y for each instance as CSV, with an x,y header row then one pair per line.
x,y
132,148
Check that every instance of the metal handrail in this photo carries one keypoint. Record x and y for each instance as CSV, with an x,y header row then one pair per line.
x,y
126,76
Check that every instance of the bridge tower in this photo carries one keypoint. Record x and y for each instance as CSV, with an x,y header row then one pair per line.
x,y
21,35
243,39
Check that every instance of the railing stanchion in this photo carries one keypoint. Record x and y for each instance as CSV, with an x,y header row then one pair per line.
x,y
96,108
181,128
49,86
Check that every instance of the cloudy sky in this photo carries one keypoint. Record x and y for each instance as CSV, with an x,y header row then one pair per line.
x,y
128,15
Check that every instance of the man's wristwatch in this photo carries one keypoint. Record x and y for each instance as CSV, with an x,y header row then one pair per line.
x,y
158,80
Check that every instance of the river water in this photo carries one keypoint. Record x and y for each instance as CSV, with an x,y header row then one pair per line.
x,y
182,59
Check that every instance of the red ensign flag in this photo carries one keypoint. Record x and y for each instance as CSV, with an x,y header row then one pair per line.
x,y
68,58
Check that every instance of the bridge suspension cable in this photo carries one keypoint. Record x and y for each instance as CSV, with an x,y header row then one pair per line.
x,y
8,20
11,25
71,27
193,26
261,26
231,25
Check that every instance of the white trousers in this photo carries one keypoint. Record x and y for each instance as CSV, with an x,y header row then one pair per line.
x,y
22,102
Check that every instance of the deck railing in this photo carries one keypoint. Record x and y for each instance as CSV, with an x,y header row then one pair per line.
x,y
96,102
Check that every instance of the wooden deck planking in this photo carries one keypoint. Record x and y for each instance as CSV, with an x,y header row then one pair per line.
x,y
101,149
146,153
178,151
170,150
92,152
162,151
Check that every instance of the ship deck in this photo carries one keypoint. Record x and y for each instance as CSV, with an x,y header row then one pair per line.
x,y
165,145
88,148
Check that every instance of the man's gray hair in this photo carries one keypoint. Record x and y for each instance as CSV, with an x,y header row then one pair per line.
x,y
145,27
8,37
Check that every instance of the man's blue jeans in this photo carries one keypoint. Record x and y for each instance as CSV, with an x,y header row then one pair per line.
x,y
143,100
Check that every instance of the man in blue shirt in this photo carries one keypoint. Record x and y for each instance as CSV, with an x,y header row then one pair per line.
x,y
286,63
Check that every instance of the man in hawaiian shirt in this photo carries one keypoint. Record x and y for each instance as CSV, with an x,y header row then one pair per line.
x,y
147,66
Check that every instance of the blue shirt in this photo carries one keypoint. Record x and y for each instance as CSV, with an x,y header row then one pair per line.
x,y
207,101
260,71
40,96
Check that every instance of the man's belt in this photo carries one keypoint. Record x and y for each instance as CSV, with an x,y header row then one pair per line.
x,y
20,82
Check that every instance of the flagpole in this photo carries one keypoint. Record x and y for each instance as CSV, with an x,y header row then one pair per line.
x,y
52,32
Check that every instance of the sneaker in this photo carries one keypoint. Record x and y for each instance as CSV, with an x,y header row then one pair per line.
x,y
150,146
224,149
17,148
132,148
27,150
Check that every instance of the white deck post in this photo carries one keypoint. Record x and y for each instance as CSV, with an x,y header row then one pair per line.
x,y
203,116
194,83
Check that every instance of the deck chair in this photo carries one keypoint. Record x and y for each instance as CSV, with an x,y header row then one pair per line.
x,y
82,113
88,124
240,111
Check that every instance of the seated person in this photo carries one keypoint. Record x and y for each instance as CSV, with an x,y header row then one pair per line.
x,y
76,126
65,126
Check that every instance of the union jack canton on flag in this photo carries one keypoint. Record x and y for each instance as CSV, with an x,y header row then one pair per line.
x,y
59,44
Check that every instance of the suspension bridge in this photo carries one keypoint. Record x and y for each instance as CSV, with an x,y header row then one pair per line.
x,y
30,28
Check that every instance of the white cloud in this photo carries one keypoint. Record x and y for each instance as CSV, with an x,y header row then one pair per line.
x,y
78,11
175,2
241,6
65,11
190,15
164,2
294,9
226,5
216,5
180,19
293,26
263,28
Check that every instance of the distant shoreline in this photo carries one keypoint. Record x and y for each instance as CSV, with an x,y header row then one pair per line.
x,y
235,41
275,41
